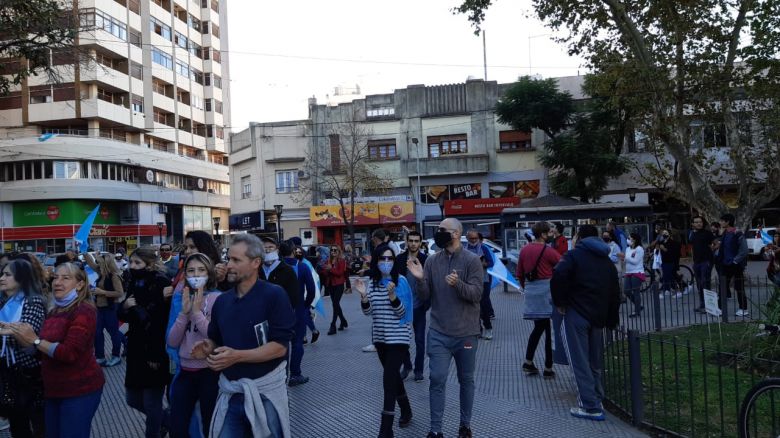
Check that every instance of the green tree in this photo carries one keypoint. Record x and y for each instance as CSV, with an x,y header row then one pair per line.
x,y
29,31
700,78
582,152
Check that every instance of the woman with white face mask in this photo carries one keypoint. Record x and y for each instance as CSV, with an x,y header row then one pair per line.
x,y
195,382
387,298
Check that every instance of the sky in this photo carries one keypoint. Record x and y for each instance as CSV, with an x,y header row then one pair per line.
x,y
283,52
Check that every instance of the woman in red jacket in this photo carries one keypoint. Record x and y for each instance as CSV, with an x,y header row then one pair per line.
x,y
333,271
72,380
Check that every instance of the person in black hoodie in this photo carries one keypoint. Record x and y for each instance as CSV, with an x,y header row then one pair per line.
x,y
145,309
585,290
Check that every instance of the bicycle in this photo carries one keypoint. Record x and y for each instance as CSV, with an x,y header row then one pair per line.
x,y
751,409
683,277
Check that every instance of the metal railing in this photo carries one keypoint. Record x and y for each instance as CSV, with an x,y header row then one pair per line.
x,y
690,379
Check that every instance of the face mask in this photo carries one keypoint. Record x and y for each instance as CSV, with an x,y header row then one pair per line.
x,y
299,256
385,267
67,299
165,254
607,239
442,238
271,257
137,273
197,282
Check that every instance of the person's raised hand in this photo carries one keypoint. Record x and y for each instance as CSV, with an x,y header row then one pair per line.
x,y
415,268
452,279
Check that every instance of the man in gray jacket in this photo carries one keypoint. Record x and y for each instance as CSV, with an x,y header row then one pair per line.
x,y
452,280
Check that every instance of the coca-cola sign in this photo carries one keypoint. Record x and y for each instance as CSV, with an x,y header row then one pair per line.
x,y
53,212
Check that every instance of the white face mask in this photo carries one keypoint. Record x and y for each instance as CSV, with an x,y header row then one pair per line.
x,y
197,282
271,257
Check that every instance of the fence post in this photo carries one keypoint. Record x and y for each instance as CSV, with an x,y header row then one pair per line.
x,y
723,291
635,374
656,305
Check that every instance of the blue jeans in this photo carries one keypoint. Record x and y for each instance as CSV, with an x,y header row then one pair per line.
x,y
702,272
71,417
668,269
441,350
632,288
107,319
148,401
236,424
584,348
296,351
310,321
418,322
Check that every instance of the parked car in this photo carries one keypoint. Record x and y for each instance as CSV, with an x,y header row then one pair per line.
x,y
756,244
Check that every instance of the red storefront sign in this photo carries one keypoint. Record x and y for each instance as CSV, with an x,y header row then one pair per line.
x,y
68,231
479,206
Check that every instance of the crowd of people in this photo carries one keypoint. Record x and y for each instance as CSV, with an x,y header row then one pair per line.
x,y
221,340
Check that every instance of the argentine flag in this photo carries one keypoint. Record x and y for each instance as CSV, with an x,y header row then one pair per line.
x,y
499,273
82,235
765,237
319,306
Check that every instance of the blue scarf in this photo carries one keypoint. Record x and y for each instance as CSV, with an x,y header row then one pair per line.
x,y
404,293
12,310
69,298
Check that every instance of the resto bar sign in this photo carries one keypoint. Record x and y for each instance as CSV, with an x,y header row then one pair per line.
x,y
479,206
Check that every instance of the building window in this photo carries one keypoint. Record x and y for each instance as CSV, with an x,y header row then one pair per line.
x,y
160,28
183,69
196,101
181,41
447,145
215,30
195,49
335,153
162,58
514,141
384,111
246,186
136,70
212,79
194,23
287,181
382,149
95,19
66,170
196,76
217,106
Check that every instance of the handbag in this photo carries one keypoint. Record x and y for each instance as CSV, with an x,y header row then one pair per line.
x,y
534,274
657,259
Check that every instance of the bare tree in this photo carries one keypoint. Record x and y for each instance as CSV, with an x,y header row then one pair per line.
x,y
345,173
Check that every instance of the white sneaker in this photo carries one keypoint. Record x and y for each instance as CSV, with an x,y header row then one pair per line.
x,y
488,335
660,296
678,295
687,290
369,349
667,293
738,312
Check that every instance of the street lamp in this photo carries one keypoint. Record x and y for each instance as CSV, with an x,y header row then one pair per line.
x,y
416,143
216,220
278,208
160,226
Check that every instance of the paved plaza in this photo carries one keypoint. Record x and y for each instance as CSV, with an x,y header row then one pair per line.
x,y
344,396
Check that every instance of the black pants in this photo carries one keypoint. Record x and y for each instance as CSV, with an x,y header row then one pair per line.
x,y
336,293
486,307
189,388
391,356
737,273
26,415
540,326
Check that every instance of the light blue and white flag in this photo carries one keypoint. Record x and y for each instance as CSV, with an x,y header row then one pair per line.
x,y
499,273
765,237
319,306
83,233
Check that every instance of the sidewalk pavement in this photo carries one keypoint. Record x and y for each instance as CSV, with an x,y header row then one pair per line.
x,y
343,398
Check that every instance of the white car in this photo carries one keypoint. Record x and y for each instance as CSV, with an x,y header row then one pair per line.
x,y
754,242
497,250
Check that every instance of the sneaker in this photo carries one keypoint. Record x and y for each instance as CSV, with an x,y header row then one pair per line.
x,y
114,361
678,295
667,293
315,335
101,361
488,334
435,435
548,374
660,296
530,369
582,413
418,377
745,312
464,431
369,349
305,341
297,380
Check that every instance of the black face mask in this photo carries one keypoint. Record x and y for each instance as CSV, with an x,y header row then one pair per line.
x,y
137,273
442,238
299,256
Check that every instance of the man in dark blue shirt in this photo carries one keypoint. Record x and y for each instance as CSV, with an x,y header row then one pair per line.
x,y
250,329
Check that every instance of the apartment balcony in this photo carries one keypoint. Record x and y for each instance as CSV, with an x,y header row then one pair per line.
x,y
41,112
449,165
97,108
108,76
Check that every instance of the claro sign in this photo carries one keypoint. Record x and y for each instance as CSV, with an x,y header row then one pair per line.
x,y
479,206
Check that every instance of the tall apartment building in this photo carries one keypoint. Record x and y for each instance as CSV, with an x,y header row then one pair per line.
x,y
139,128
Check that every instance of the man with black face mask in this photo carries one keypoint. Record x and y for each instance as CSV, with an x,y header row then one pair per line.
x,y
452,280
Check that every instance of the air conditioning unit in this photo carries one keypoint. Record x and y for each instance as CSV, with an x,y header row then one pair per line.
x,y
302,174
211,191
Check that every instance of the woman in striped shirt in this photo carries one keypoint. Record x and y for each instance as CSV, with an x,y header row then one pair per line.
x,y
385,299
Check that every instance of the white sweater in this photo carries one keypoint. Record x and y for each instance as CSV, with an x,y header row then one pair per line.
x,y
635,258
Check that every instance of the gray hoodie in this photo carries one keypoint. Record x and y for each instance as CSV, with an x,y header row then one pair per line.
x,y
454,310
